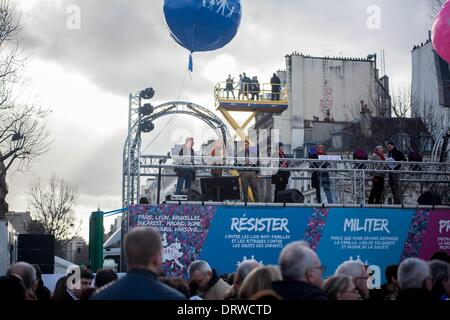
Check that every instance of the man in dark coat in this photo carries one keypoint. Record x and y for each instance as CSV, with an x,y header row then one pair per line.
x,y
276,87
394,178
185,174
143,249
415,281
302,274
281,178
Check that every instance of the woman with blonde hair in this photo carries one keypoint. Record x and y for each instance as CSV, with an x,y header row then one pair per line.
x,y
258,284
340,288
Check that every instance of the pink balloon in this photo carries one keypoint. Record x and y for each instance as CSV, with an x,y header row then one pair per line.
x,y
441,32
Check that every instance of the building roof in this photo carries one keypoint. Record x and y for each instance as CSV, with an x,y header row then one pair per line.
x,y
19,221
421,45
329,58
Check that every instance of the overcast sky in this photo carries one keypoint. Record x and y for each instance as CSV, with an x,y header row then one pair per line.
x,y
85,75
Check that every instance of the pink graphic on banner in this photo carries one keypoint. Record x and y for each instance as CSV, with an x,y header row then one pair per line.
x,y
315,227
183,229
437,236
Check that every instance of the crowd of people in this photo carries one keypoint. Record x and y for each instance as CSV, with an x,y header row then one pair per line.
x,y
320,178
298,276
249,88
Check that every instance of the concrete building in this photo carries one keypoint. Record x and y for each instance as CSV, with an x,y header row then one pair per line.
x,y
74,248
327,90
430,88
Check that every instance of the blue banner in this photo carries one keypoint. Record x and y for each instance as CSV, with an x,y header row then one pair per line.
x,y
374,236
224,236
241,233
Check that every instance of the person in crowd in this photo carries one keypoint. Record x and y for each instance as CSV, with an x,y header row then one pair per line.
x,y
340,288
27,273
249,176
60,292
241,87
260,279
394,178
246,81
12,288
281,178
218,154
230,278
441,255
241,274
440,272
376,194
320,179
255,88
388,290
276,87
205,283
73,288
357,271
143,250
143,200
302,272
104,277
42,292
185,174
87,293
178,284
229,87
415,281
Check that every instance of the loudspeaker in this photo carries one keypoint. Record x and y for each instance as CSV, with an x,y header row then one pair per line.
x,y
290,196
37,249
429,199
220,189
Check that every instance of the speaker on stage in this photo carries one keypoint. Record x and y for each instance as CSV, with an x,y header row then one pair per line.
x,y
429,199
37,249
290,196
220,189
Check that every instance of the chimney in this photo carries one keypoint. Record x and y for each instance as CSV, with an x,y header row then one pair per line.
x,y
429,35
366,120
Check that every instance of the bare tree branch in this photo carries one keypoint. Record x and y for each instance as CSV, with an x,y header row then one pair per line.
x,y
23,129
433,7
52,205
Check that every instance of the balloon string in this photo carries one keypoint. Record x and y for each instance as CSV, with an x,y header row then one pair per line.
x,y
182,85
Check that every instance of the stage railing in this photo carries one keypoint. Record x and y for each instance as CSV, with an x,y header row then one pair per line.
x,y
350,179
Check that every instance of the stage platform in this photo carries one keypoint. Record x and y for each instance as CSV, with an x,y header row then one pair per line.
x,y
264,106
225,234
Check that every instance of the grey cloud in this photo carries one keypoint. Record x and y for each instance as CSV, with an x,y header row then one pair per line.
x,y
124,45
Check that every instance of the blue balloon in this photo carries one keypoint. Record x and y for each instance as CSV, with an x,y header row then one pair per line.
x,y
202,25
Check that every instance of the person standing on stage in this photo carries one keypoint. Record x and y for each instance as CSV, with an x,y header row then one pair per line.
x,y
321,178
185,174
281,178
248,176
394,178
376,193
